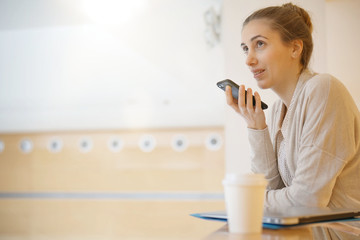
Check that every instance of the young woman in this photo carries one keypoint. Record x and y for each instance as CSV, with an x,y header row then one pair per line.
x,y
309,147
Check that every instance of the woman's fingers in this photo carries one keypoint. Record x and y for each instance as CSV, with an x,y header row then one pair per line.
x,y
245,102
253,115
241,100
249,100
229,97
258,102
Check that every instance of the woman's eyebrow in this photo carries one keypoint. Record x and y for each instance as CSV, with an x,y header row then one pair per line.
x,y
253,38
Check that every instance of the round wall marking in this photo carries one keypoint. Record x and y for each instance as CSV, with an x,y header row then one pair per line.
x,y
85,144
213,142
26,145
115,144
179,143
55,145
147,143
2,146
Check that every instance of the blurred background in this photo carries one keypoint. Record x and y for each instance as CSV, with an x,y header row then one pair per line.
x,y
111,124
85,64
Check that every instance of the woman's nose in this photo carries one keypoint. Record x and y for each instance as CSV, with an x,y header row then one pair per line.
x,y
250,59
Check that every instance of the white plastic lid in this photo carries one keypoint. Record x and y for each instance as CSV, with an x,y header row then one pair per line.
x,y
244,179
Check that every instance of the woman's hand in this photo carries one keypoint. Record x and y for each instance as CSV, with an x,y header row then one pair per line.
x,y
254,116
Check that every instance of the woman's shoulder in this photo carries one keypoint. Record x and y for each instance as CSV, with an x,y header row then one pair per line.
x,y
327,91
320,80
323,84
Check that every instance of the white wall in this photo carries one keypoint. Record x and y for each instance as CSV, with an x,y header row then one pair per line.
x,y
234,13
73,64
343,38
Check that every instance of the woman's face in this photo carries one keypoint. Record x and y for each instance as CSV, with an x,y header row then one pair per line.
x,y
268,58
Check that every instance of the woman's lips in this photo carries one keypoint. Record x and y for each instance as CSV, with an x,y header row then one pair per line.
x,y
258,73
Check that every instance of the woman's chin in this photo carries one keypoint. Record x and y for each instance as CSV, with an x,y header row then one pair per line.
x,y
263,85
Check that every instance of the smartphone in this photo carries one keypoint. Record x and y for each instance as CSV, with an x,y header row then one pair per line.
x,y
235,91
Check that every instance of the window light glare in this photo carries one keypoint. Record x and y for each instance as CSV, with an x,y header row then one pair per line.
x,y
112,11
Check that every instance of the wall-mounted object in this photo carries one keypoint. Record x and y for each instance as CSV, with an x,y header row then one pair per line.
x,y
213,26
2,146
85,144
26,145
179,143
213,142
55,145
147,143
115,144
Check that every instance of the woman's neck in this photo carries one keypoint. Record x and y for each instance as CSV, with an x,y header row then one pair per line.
x,y
286,89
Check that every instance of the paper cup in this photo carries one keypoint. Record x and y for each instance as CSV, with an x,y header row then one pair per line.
x,y
244,199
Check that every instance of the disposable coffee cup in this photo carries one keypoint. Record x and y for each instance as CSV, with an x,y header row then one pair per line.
x,y
244,200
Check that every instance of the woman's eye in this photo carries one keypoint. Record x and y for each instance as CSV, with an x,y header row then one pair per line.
x,y
260,44
245,49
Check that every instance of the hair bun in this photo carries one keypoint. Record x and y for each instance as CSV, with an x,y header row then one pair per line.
x,y
302,13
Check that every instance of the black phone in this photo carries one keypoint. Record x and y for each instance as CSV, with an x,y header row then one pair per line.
x,y
235,91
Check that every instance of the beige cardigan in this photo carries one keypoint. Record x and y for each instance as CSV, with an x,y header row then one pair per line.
x,y
323,150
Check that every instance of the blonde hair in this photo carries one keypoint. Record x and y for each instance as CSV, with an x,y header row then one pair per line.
x,y
292,23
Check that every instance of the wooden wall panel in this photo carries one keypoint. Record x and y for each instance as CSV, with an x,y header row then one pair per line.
x,y
195,169
102,194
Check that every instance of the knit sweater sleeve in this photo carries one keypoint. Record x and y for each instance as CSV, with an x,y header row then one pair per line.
x,y
263,159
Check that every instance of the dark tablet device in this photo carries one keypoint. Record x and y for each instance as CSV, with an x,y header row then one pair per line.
x,y
294,215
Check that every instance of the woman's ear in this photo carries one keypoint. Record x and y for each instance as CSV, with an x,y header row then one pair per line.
x,y
297,47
